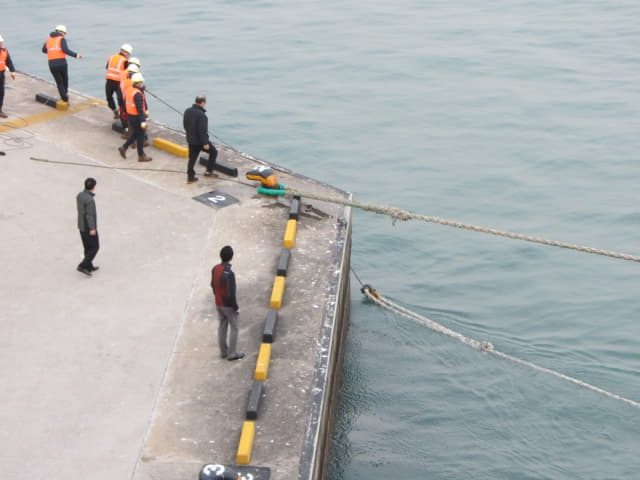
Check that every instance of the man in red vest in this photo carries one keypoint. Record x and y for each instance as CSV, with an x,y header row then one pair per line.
x,y
223,283
57,50
5,62
116,64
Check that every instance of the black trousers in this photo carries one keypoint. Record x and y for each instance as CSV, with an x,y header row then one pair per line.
x,y
194,151
136,134
91,244
1,89
61,76
110,88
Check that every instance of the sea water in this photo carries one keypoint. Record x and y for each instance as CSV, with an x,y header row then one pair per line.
x,y
520,115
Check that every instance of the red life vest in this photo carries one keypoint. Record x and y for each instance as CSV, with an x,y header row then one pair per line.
x,y
221,286
115,65
54,48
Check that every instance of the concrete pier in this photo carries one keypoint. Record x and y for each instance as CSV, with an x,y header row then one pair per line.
x,y
118,375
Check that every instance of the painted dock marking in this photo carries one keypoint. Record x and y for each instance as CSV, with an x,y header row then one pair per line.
x,y
49,114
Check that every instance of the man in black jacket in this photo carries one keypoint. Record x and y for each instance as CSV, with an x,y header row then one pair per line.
x,y
88,226
196,125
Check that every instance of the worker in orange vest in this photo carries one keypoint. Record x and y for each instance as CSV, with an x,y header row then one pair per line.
x,y
116,64
125,84
5,62
137,114
57,50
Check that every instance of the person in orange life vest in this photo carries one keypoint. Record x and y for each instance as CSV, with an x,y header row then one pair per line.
x,y
116,64
134,63
5,62
57,50
125,84
136,115
223,283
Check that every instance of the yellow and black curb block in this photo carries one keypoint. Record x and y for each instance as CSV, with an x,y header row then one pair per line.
x,y
245,445
220,167
253,404
61,109
277,292
262,364
290,233
270,322
52,102
171,147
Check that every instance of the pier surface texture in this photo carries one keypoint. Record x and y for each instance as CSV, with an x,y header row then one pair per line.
x,y
118,375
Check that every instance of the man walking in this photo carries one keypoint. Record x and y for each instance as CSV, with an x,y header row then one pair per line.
x,y
88,226
223,283
137,114
196,124
5,62
57,50
116,64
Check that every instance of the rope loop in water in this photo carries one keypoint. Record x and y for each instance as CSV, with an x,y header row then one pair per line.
x,y
484,346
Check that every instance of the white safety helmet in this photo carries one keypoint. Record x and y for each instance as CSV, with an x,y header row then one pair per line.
x,y
137,78
132,67
1,39
134,60
61,29
126,48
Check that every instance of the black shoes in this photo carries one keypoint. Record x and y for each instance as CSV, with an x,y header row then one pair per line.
x,y
192,180
84,270
210,174
235,356
87,271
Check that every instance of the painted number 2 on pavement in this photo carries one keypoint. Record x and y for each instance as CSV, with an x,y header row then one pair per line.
x,y
217,199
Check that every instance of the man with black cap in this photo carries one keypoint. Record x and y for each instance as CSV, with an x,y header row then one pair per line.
x,y
88,226
223,283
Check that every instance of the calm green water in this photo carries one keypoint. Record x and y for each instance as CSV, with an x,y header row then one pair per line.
x,y
521,115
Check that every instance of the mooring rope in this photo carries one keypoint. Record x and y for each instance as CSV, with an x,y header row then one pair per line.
x,y
488,347
222,142
398,214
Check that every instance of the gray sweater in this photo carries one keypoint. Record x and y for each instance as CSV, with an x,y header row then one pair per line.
x,y
87,217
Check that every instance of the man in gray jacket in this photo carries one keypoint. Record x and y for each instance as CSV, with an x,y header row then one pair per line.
x,y
88,226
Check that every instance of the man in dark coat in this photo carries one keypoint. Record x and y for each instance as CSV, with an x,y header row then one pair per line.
x,y
88,226
196,125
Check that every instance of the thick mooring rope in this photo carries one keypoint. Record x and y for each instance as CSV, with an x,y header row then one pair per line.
x,y
398,214
488,347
